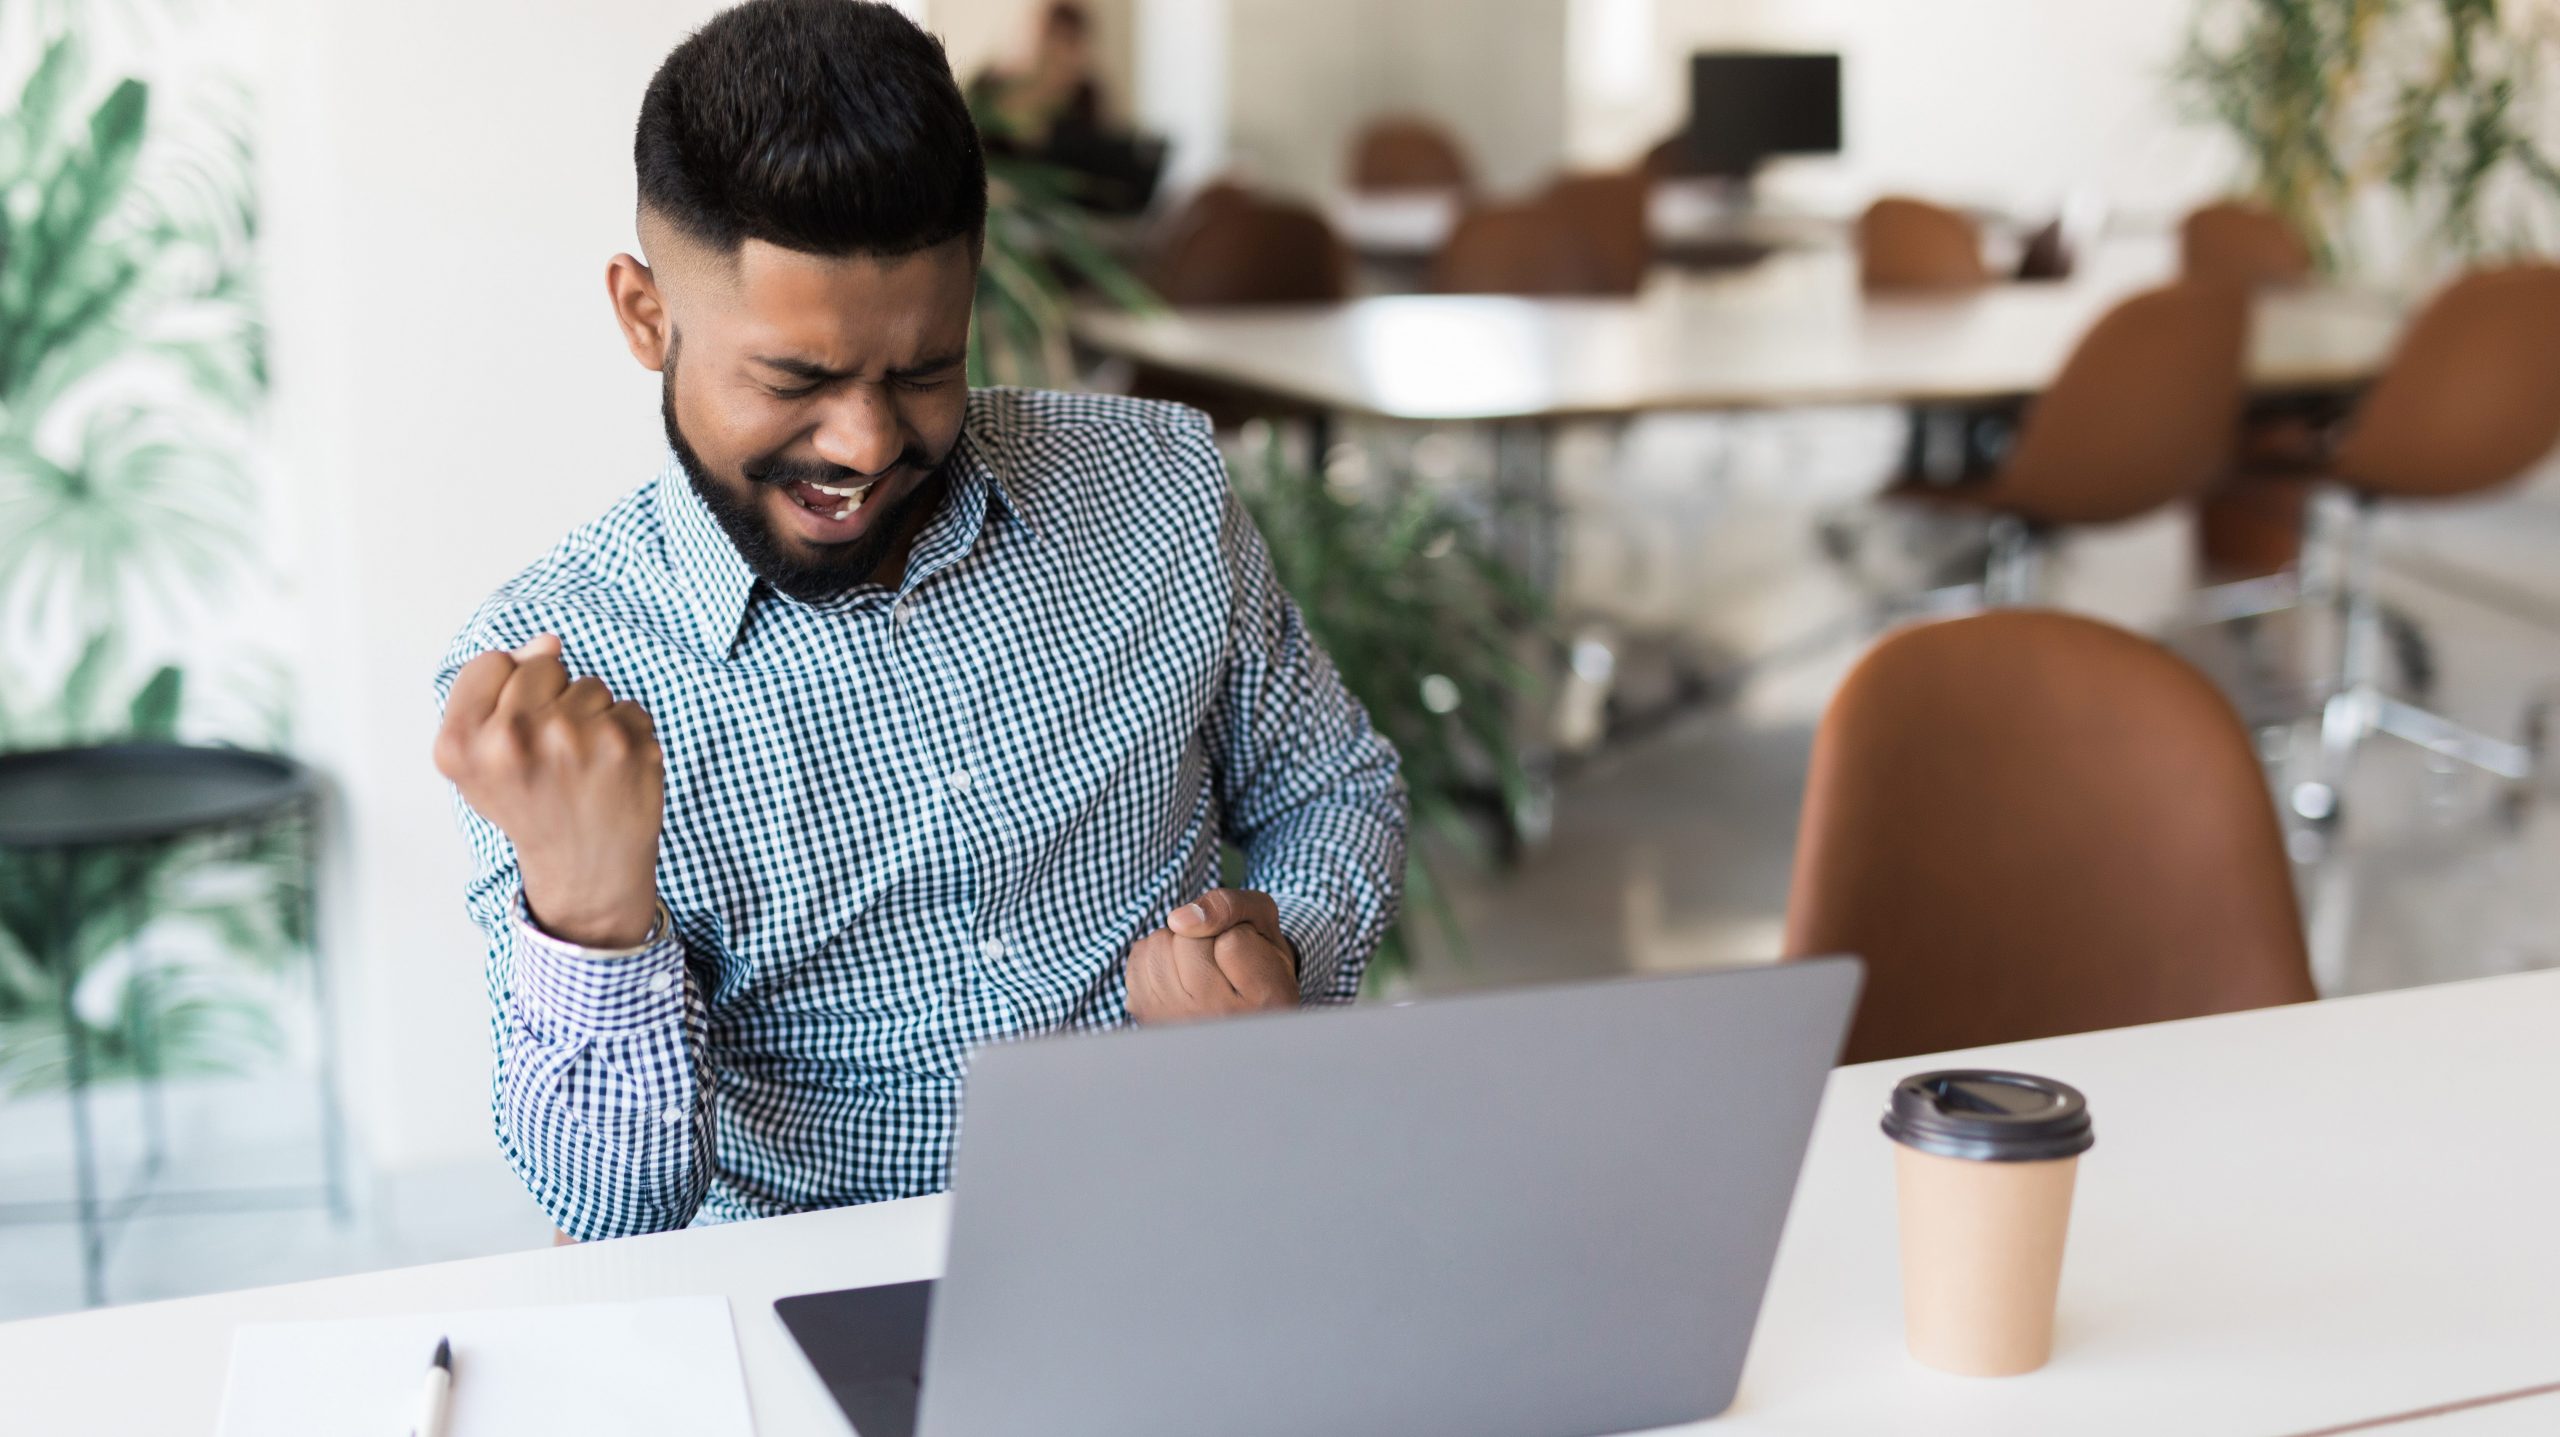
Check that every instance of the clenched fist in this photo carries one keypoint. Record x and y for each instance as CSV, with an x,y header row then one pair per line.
x,y
1220,955
572,777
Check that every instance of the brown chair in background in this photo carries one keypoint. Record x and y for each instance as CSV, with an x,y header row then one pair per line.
x,y
1608,211
1529,249
2031,824
1669,159
2141,416
1170,229
2470,401
2242,244
1407,152
2253,526
1912,244
1235,247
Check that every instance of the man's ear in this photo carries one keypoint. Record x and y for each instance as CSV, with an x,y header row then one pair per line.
x,y
640,310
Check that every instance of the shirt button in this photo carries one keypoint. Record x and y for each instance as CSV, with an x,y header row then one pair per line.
x,y
960,779
671,1116
662,982
902,610
992,949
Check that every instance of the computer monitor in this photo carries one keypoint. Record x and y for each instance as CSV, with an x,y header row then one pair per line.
x,y
1745,106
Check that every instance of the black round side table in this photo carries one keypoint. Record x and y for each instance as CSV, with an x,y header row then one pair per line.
x,y
85,828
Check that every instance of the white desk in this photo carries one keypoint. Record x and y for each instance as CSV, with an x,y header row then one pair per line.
x,y
2292,1220
1795,331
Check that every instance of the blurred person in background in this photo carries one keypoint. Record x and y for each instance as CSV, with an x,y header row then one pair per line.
x,y
1052,101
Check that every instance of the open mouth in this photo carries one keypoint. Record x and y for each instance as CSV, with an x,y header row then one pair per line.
x,y
835,502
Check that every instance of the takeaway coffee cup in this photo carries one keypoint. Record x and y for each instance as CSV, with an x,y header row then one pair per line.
x,y
1983,1162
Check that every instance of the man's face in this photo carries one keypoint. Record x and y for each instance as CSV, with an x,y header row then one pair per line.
x,y
811,398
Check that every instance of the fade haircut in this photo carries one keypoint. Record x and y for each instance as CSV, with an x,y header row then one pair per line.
x,y
831,127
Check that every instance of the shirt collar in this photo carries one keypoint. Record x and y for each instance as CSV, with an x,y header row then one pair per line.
x,y
714,581
975,455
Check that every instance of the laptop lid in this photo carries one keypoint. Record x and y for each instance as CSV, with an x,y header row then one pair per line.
x,y
1536,1213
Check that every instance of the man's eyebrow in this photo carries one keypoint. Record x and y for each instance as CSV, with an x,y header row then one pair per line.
x,y
813,372
932,365
808,369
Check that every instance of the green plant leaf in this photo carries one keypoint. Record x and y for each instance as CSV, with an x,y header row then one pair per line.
x,y
153,714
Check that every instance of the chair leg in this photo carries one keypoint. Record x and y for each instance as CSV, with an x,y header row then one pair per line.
x,y
2349,715
2014,576
2357,707
2437,734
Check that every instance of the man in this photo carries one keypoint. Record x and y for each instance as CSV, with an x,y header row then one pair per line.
x,y
889,718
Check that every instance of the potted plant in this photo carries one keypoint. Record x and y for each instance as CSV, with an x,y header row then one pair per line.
x,y
2340,105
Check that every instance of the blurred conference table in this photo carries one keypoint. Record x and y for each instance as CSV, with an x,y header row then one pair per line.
x,y
2315,1219
1795,331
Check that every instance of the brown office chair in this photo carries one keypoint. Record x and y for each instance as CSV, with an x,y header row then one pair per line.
x,y
2141,416
1530,248
2253,525
2469,401
2031,824
1669,159
1607,211
2239,243
1171,229
1912,244
1407,152
1235,247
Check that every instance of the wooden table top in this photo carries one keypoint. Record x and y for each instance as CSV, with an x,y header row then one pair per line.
x,y
1792,332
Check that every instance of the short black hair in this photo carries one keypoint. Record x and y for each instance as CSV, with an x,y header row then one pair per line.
x,y
830,127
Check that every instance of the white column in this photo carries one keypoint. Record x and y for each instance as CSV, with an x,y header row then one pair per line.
x,y
1181,90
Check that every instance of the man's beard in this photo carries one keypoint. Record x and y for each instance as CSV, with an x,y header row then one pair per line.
x,y
838,567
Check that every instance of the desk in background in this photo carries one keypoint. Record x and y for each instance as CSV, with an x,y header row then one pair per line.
x,y
1792,333
2294,1219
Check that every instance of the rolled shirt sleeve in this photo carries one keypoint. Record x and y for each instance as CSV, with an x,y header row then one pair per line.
x,y
1312,793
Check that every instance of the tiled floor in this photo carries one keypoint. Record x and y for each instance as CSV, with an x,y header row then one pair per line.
x,y
1671,851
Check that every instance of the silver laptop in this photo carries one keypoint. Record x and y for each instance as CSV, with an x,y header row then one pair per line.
x,y
1545,1212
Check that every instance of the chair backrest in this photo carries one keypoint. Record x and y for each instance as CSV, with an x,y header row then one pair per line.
x,y
2031,824
2144,413
1407,152
1608,211
2232,242
1905,243
2471,397
1233,247
1529,248
1668,159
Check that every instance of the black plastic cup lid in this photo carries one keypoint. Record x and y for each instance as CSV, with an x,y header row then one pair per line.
x,y
1989,1116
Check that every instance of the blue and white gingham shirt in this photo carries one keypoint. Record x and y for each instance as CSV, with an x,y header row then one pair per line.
x,y
910,820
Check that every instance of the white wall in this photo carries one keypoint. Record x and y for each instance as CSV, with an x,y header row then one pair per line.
x,y
1180,79
2012,102
1304,74
444,184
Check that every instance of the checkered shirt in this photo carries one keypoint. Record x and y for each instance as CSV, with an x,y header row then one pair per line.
x,y
910,820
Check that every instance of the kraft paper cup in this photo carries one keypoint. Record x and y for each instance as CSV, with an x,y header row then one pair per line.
x,y
1984,1164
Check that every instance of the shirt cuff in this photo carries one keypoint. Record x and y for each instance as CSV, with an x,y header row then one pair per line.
x,y
599,990
1314,932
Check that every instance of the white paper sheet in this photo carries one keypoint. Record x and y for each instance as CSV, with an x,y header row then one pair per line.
x,y
634,1369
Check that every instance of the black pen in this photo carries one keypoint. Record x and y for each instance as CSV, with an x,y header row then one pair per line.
x,y
436,1399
